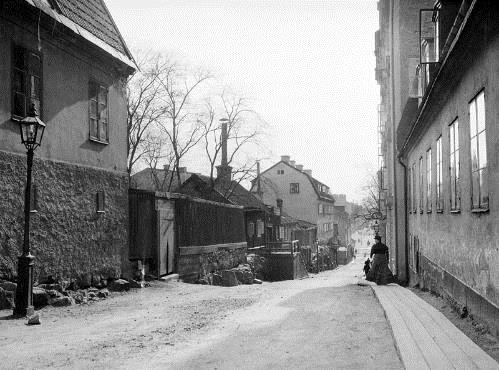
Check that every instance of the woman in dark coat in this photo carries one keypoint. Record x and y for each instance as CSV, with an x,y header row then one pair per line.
x,y
380,272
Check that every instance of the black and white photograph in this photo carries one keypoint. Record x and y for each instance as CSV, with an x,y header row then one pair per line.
x,y
249,184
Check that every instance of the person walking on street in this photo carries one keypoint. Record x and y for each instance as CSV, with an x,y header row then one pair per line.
x,y
380,272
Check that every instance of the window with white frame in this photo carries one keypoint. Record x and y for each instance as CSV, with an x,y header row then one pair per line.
x,y
479,178
98,112
455,187
439,200
428,180
294,188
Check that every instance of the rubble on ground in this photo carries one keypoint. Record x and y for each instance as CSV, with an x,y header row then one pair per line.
x,y
65,293
242,274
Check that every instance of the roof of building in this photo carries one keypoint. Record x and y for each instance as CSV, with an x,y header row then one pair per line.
x,y
320,194
287,220
234,192
90,19
156,180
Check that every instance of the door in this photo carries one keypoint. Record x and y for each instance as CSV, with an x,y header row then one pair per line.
x,y
166,242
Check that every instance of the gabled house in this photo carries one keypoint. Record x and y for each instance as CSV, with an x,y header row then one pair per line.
x,y
68,60
301,196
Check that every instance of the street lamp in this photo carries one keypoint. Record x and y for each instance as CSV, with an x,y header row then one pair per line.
x,y
376,227
31,130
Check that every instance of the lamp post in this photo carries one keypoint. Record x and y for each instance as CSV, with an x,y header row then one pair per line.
x,y
31,130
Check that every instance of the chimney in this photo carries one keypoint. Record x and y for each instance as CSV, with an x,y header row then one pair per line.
x,y
285,158
183,174
299,167
292,163
258,184
224,171
308,172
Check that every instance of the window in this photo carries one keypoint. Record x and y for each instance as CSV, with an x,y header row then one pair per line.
x,y
479,188
455,188
26,81
294,187
280,172
421,187
414,203
409,193
259,228
251,229
33,199
428,180
440,200
321,209
101,202
98,112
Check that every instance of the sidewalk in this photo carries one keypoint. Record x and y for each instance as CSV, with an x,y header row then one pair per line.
x,y
424,337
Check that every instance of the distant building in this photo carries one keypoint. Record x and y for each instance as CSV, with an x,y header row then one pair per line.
x,y
68,59
302,197
446,147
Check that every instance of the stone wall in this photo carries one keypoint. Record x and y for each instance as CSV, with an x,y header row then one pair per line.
x,y
203,260
69,239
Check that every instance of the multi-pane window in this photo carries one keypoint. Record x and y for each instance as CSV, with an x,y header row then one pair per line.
x,y
428,180
479,188
280,172
455,187
409,201
294,187
440,200
98,112
421,186
26,81
321,209
414,203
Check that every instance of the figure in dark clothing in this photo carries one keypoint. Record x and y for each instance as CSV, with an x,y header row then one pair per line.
x,y
380,272
367,266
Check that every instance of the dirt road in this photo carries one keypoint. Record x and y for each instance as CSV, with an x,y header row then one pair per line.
x,y
322,322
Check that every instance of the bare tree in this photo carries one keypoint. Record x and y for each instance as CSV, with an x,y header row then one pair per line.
x,y
146,105
181,126
244,129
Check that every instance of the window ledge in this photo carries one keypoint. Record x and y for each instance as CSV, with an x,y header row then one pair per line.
x,y
479,210
429,211
440,211
33,211
99,141
101,211
455,211
421,211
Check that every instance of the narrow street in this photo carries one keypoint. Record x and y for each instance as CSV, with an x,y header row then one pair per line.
x,y
326,321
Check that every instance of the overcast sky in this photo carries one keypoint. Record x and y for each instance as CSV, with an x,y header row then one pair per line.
x,y
307,66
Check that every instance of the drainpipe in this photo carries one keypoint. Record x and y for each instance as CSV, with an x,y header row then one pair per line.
x,y
406,221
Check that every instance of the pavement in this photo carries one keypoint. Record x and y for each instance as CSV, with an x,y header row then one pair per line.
x,y
424,337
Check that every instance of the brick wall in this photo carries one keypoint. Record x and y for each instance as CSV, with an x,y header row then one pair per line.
x,y
69,239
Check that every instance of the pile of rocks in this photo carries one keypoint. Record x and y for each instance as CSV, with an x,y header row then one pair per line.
x,y
241,274
60,294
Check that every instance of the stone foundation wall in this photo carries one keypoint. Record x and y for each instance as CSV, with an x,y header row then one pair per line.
x,y
191,266
69,238
458,294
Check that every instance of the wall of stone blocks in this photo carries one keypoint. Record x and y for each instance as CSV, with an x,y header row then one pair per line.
x,y
69,239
